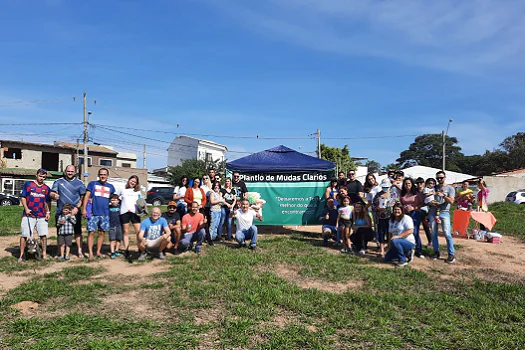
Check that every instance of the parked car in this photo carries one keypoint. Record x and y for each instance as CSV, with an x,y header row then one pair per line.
x,y
517,197
159,195
7,199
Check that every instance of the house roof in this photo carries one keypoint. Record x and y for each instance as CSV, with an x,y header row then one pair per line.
x,y
26,172
91,148
60,145
511,172
201,141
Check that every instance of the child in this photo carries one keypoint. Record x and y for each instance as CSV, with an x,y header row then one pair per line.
x,y
344,219
66,229
115,227
430,198
382,208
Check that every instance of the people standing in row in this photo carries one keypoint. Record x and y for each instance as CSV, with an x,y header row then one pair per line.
x,y
70,190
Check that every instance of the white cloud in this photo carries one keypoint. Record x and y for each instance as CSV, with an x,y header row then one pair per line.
x,y
469,37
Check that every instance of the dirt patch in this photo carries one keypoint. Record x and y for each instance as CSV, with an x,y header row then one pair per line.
x,y
25,307
292,275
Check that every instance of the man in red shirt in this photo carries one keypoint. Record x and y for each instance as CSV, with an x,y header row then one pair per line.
x,y
193,229
35,198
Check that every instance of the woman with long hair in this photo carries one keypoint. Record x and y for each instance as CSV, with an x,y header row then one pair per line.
x,y
332,191
216,202
195,194
482,197
412,201
128,210
178,195
402,241
362,228
229,195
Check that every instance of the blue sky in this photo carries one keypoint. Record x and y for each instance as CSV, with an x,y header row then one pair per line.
x,y
280,69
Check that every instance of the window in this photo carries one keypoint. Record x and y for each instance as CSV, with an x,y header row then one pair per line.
x,y
208,157
81,160
13,153
105,162
126,165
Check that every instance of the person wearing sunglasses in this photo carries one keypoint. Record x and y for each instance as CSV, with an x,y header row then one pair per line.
x,y
444,197
239,186
354,186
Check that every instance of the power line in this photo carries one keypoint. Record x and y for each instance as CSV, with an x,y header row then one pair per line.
x,y
28,102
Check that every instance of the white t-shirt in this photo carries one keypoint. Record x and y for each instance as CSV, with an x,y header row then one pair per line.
x,y
398,227
245,220
180,191
427,191
373,191
128,200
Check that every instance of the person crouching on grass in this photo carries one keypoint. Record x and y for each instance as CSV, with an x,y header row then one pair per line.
x,y
66,228
344,220
154,234
245,227
115,226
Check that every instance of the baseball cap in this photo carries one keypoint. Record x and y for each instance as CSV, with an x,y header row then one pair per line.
x,y
172,204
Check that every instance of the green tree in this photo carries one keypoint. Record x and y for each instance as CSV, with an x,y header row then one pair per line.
x,y
427,150
514,146
388,167
373,166
340,156
193,168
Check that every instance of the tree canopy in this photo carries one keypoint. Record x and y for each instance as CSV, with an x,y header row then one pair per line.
x,y
193,168
340,156
427,150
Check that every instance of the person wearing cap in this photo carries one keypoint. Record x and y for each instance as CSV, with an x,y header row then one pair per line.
x,y
35,198
382,209
172,217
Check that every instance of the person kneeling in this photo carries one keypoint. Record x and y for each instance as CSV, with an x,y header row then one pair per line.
x,y
245,227
329,220
402,243
363,232
154,235
193,227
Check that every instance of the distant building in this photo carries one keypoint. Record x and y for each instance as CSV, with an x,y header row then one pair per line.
x,y
186,147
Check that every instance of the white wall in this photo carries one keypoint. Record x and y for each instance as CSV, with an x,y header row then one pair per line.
x,y
500,186
216,153
182,148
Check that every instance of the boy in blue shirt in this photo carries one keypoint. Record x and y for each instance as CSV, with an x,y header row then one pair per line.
x,y
115,226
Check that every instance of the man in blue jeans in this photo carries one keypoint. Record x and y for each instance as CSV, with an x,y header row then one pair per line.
x,y
245,227
445,195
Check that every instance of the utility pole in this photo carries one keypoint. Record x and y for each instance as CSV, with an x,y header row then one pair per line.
x,y
318,143
86,160
144,157
77,163
444,134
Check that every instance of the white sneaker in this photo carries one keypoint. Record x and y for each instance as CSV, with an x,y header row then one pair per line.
x,y
362,252
410,256
344,250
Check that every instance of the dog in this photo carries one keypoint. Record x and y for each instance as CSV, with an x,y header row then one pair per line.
x,y
33,249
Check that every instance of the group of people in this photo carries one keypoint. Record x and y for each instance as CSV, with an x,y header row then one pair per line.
x,y
197,212
391,213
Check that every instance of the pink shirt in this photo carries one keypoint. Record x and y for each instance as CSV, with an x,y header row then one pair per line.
x,y
415,200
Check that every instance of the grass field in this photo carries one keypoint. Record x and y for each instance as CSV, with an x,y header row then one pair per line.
x,y
234,298
289,295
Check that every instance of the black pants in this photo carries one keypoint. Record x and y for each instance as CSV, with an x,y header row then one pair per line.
x,y
361,237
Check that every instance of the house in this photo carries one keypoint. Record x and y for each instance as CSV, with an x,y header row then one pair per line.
x,y
187,147
19,162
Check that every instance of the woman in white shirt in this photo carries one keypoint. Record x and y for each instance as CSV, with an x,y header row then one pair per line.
x,y
178,196
128,208
402,243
